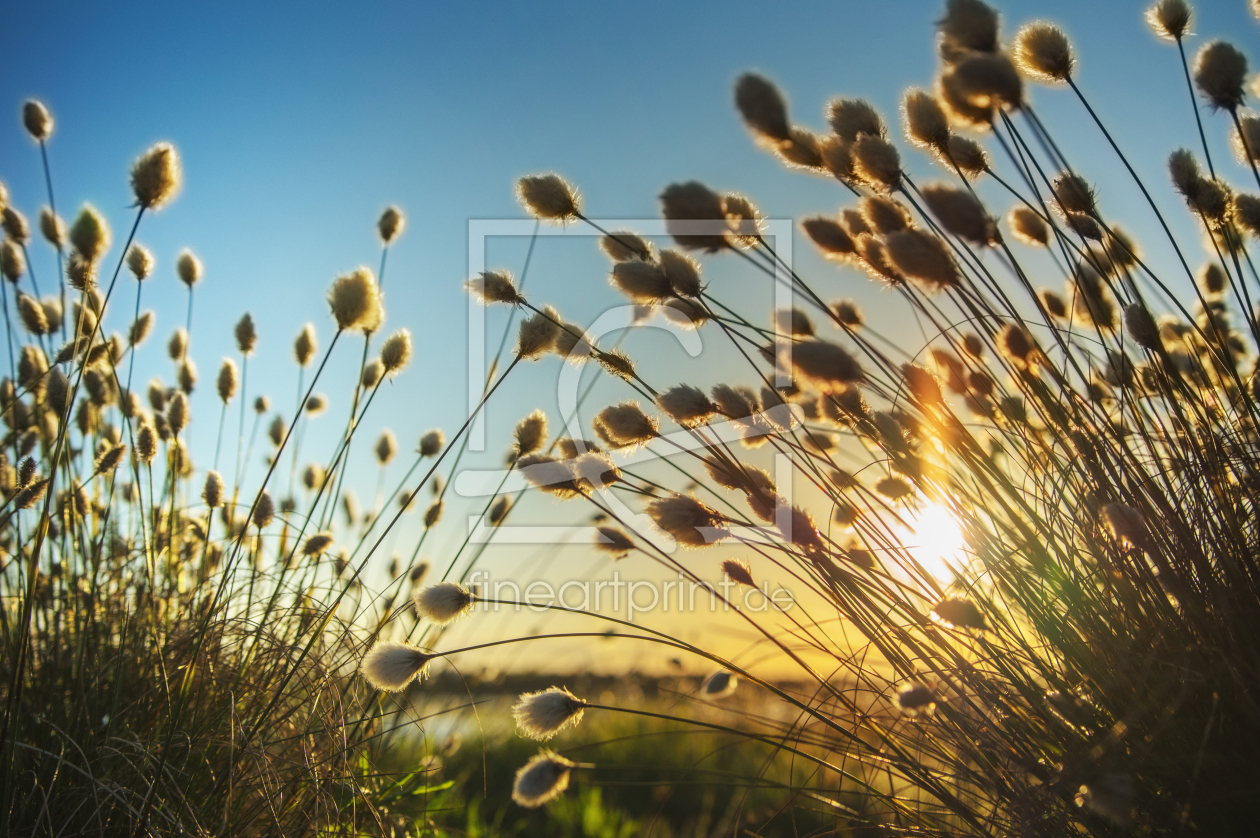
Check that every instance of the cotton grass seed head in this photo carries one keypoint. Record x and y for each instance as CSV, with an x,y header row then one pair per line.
x,y
853,118
1246,144
541,715
14,225
686,405
443,603
684,204
719,684
689,521
32,315
625,425
1126,524
396,352
494,287
925,122
877,162
140,261
156,176
177,413
1170,19
762,107
1247,212
738,572
829,236
530,434
1028,227
317,544
915,698
825,364
1219,72
12,262
968,26
391,224
52,228
386,447
431,443
37,120
212,492
1042,51
543,778
958,612
989,80
1141,327
227,380
90,234
188,268
924,258
537,336
246,335
391,665
355,301
264,510
305,345
548,197
622,245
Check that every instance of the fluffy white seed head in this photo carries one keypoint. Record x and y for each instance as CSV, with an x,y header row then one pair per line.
x,y
443,603
541,715
543,778
156,176
1043,52
188,268
391,665
140,261
494,287
391,223
530,434
548,197
686,405
431,443
1170,19
37,120
537,336
689,521
763,107
1219,72
90,234
396,352
305,345
355,301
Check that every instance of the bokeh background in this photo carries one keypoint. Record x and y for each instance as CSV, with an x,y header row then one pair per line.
x,y
299,122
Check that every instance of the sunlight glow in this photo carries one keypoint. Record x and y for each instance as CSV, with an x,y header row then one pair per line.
x,y
937,542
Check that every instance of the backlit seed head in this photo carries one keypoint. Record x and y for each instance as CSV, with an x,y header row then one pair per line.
x,y
960,213
386,447
52,312
373,372
1212,280
1125,524
396,352
613,540
622,245
762,107
739,572
14,225
958,613
1017,345
494,287
355,302
80,272
685,204
961,108
1141,326
794,322
212,493
548,197
1042,51
543,778
140,261
146,442
884,215
305,345
849,313
90,234
246,336
52,228
686,405
719,684
177,413
541,715
156,176
988,80
624,425
876,161
968,26
391,224
1169,19
187,375
1246,144
893,488
443,603
680,271
924,119
1219,72
264,510
1247,212
32,315
537,336
827,365
745,227
188,268
924,258
431,443
689,521
276,431
313,476
499,510
391,665
261,405
1028,227
37,120
830,236
530,434
915,698
1074,194
109,459
12,262
317,545
853,118
968,155
316,404
157,395
226,383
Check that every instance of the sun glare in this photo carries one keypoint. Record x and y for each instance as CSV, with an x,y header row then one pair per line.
x,y
937,541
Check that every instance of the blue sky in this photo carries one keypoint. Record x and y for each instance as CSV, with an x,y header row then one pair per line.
x,y
298,123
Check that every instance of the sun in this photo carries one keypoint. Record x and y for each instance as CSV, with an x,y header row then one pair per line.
x,y
937,542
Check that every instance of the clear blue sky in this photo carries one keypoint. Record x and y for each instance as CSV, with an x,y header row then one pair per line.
x,y
299,122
